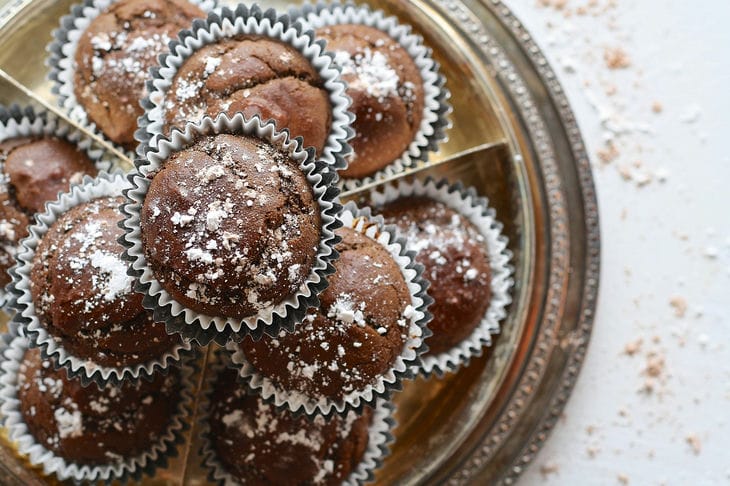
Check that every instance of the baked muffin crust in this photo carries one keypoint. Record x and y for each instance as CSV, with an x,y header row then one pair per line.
x,y
260,445
230,226
456,263
114,55
356,334
386,90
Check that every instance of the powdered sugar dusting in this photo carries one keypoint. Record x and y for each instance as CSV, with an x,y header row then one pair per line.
x,y
373,74
114,280
240,220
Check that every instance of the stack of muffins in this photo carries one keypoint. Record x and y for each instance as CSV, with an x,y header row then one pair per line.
x,y
230,230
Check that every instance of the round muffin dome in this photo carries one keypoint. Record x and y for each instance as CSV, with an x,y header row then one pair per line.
x,y
456,262
34,171
356,334
92,426
82,294
230,226
254,75
258,444
114,55
386,90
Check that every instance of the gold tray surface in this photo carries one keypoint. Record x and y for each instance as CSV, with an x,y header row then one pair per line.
x,y
483,424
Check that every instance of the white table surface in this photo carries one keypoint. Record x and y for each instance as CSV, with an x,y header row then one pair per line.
x,y
657,411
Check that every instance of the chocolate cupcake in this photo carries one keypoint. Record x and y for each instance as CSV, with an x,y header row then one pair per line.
x,y
369,322
387,95
356,334
37,161
230,226
256,63
455,260
459,242
113,57
74,297
82,293
90,434
86,425
398,94
258,444
102,53
254,75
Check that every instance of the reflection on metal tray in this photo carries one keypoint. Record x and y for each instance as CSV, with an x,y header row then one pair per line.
x,y
483,424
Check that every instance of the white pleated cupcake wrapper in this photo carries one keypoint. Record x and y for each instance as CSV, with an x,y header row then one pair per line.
x,y
403,368
226,23
132,468
204,328
22,301
476,209
436,107
379,436
16,121
62,55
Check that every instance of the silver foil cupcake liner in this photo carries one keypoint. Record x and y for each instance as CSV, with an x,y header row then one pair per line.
x,y
204,328
435,120
379,436
51,347
121,471
404,366
226,23
476,209
17,121
62,55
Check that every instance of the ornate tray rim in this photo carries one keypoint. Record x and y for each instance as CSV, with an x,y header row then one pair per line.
x,y
574,346
584,241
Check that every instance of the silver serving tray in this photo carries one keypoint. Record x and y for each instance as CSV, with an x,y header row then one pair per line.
x,y
484,424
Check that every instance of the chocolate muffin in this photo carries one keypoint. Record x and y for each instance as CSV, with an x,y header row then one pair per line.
x,y
34,171
230,226
114,55
256,76
87,425
386,90
456,263
83,295
259,445
356,334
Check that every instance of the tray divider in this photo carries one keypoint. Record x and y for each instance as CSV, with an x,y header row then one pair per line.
x,y
60,114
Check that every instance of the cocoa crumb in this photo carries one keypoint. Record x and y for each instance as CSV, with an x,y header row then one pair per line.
x,y
679,304
625,172
633,347
616,58
548,468
654,365
556,4
694,443
608,153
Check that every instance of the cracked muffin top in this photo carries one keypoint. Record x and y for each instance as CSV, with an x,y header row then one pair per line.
x,y
34,171
356,334
456,262
114,55
230,226
386,90
87,425
256,76
83,295
260,445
